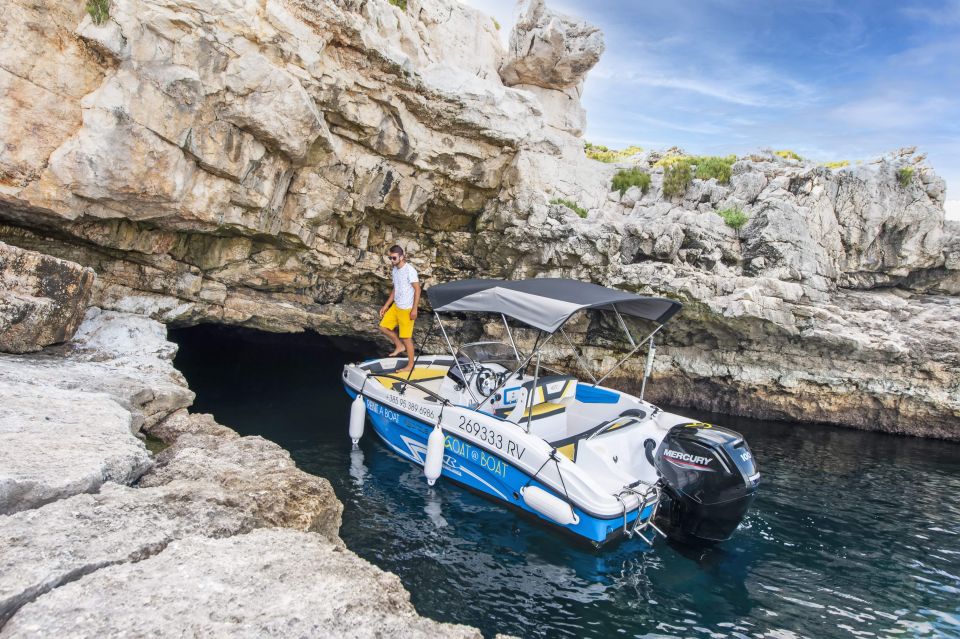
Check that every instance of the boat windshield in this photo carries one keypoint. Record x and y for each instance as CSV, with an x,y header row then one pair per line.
x,y
487,352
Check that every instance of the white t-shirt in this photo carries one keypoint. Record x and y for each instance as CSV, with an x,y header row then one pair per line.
x,y
403,279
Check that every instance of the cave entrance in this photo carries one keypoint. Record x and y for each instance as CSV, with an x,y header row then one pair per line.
x,y
283,386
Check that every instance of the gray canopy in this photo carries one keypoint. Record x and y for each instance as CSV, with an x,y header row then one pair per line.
x,y
545,303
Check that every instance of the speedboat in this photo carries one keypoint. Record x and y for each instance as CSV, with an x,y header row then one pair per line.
x,y
591,460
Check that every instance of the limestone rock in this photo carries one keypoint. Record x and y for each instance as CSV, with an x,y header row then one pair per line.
x,y
42,299
57,443
550,50
271,104
69,416
268,583
255,471
47,547
184,423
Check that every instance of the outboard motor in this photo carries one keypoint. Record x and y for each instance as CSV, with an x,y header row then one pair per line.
x,y
710,478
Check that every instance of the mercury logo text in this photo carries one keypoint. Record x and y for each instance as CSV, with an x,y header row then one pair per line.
x,y
687,457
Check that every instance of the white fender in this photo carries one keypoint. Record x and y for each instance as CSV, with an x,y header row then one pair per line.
x,y
358,416
549,506
434,463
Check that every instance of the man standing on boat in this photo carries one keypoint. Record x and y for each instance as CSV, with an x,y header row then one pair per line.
x,y
400,310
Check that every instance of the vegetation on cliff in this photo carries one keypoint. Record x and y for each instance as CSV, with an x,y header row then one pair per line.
x,y
627,178
604,154
570,204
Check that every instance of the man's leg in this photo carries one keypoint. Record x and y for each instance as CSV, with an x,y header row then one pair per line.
x,y
408,346
406,335
392,335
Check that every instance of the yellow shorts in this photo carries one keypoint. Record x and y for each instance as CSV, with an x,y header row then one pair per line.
x,y
398,316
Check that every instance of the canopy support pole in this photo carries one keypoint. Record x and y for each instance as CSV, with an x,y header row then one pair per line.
x,y
628,355
456,361
577,355
623,325
510,335
532,395
649,367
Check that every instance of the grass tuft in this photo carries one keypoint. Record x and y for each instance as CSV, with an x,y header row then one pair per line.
x,y
734,218
400,4
677,175
604,154
570,204
837,165
626,178
905,176
787,154
99,11
671,159
496,24
714,167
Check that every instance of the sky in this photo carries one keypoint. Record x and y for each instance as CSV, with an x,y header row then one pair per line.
x,y
830,79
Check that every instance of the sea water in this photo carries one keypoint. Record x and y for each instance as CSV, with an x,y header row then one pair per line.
x,y
853,534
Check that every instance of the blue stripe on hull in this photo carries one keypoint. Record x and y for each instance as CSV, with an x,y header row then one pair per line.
x,y
477,468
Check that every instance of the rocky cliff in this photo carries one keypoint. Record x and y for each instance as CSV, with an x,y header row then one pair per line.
x,y
247,163
211,535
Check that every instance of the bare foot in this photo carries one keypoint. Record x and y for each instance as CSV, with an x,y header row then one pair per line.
x,y
406,370
396,352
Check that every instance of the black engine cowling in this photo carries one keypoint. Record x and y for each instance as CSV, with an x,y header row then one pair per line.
x,y
710,478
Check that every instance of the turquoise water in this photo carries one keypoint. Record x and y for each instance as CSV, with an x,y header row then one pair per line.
x,y
853,534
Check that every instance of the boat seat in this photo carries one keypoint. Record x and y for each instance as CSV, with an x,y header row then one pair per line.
x,y
547,419
568,446
540,411
419,374
551,388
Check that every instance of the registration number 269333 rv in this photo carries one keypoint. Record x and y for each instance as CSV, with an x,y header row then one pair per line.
x,y
490,437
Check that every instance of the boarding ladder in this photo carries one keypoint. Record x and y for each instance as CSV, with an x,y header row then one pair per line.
x,y
644,492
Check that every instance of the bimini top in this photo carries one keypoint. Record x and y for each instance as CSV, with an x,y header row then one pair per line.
x,y
545,303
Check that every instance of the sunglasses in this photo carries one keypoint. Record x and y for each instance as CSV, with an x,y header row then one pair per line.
x,y
394,258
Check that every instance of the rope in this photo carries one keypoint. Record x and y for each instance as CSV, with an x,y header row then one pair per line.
x,y
364,384
546,461
553,456
556,460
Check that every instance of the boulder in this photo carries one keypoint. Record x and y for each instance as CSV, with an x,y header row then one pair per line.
x,y
548,49
256,472
268,583
49,546
56,443
42,299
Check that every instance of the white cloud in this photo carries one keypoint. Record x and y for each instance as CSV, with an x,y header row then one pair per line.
x,y
947,13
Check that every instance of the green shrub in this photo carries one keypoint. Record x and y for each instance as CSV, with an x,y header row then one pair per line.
x,y
714,167
734,218
677,176
99,10
570,204
788,154
672,159
400,4
604,154
496,24
837,165
904,176
626,178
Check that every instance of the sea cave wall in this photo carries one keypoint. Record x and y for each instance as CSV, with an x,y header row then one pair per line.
x,y
248,163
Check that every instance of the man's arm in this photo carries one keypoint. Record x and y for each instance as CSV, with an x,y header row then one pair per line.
x,y
416,299
386,305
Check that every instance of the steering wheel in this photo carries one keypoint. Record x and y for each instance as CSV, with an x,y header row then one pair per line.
x,y
487,381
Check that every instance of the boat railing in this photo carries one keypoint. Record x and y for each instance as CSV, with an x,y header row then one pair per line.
x,y
409,382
